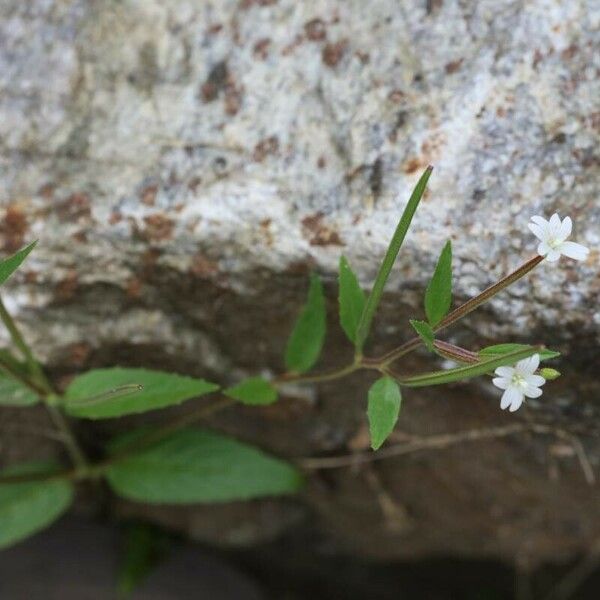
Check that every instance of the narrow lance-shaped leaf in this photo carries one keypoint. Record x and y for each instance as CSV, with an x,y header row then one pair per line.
x,y
425,332
470,371
194,465
438,295
383,410
9,265
545,353
306,340
106,393
351,299
28,507
388,261
254,391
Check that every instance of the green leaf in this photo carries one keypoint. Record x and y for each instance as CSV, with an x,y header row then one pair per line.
x,y
197,466
467,372
106,393
9,265
145,547
253,391
438,295
383,410
388,261
351,299
306,340
28,507
13,393
545,354
425,333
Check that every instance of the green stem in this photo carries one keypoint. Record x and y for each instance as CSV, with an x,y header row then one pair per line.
x,y
318,377
21,344
37,381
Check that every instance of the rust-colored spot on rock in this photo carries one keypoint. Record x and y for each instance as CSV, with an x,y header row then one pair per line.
x,y
75,207
315,30
215,82
569,52
78,354
453,66
13,228
158,227
133,289
266,147
148,195
246,4
233,100
319,234
332,53
115,217
413,165
203,267
67,287
396,96
261,48
46,191
321,162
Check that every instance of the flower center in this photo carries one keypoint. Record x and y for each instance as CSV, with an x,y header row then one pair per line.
x,y
519,381
554,243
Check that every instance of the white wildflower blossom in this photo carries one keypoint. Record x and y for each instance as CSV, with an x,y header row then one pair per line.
x,y
519,382
553,235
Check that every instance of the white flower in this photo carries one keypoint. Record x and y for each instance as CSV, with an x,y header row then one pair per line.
x,y
552,235
519,381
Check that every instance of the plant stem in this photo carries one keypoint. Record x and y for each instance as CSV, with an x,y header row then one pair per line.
x,y
21,344
317,378
463,310
38,382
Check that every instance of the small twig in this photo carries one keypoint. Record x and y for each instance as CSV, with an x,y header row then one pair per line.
x,y
427,443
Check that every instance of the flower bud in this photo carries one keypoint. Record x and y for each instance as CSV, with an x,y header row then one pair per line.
x,y
549,374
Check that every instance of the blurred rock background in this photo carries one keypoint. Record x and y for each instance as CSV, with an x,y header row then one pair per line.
x,y
186,164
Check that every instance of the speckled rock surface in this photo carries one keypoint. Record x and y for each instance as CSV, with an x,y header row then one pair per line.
x,y
184,164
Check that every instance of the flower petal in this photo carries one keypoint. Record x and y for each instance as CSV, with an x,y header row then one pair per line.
x,y
537,231
543,249
553,255
536,380
574,250
507,372
554,223
564,231
540,221
528,366
532,392
510,396
516,404
501,382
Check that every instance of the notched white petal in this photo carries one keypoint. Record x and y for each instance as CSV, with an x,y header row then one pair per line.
x,y
529,365
516,404
536,380
540,221
532,391
564,231
536,230
505,372
574,250
510,397
501,382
